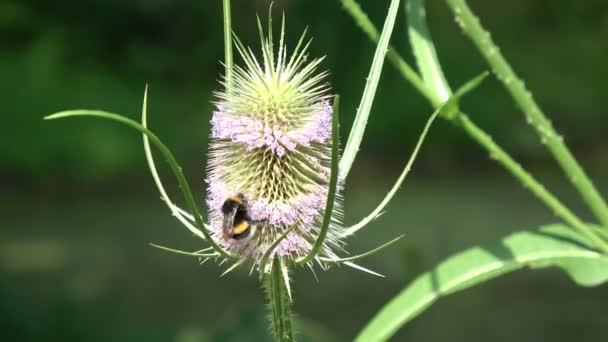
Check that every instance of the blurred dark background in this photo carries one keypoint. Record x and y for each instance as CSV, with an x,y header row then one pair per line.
x,y
78,205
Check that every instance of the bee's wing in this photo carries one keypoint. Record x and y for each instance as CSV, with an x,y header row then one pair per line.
x,y
229,221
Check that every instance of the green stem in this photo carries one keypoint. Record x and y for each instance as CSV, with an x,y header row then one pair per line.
x,y
554,142
279,303
228,44
362,20
497,153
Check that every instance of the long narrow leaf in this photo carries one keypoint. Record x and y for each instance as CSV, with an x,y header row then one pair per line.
x,y
165,152
356,133
362,255
177,251
159,185
378,211
362,20
424,50
333,184
555,245
266,257
446,109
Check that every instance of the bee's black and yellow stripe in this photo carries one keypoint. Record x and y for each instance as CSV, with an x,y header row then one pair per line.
x,y
237,223
240,228
236,199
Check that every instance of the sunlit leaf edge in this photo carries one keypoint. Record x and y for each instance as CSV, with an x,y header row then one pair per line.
x,y
553,245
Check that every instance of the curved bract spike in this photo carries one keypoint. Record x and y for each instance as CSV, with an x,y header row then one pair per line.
x,y
362,255
447,109
186,215
177,251
333,184
175,211
163,149
378,211
285,273
362,269
233,267
273,246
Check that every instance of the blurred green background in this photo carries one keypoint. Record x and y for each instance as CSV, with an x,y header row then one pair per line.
x,y
78,206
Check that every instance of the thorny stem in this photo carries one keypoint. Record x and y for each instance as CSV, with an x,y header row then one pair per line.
x,y
496,152
535,117
228,45
410,74
481,137
279,303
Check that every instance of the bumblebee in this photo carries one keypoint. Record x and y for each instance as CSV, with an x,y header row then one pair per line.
x,y
237,223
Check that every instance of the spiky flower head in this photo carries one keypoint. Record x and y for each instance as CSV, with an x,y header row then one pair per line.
x,y
271,145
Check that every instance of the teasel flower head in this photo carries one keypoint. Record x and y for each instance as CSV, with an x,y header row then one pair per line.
x,y
271,148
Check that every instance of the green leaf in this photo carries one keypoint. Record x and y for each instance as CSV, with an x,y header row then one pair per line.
x,y
177,170
450,106
333,184
378,211
554,245
272,247
363,21
356,133
424,50
175,211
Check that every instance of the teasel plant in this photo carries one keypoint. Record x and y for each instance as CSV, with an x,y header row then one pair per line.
x,y
275,157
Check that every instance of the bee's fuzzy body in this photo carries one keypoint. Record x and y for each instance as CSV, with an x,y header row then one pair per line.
x,y
237,223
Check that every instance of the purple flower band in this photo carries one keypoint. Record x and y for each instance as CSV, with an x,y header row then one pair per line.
x,y
255,134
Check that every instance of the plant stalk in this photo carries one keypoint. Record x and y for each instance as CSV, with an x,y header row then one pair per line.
x,y
279,303
362,20
482,138
228,60
539,190
549,137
